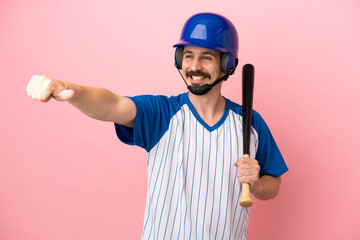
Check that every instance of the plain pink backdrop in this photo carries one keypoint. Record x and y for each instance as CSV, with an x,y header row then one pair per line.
x,y
66,176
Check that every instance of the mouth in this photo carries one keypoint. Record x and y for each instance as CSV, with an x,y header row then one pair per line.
x,y
197,77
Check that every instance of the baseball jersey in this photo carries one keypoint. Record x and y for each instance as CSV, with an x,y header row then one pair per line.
x,y
192,190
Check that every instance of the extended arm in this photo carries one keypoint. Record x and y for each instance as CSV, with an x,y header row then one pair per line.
x,y
97,103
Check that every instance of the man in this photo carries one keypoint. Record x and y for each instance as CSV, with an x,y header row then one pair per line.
x,y
193,139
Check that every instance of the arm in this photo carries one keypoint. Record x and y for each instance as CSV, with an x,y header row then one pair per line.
x,y
97,103
267,187
263,188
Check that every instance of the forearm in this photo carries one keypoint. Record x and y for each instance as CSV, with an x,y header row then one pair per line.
x,y
267,187
98,103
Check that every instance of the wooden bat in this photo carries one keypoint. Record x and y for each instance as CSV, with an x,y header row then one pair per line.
x,y
247,102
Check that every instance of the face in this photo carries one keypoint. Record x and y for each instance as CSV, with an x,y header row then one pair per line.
x,y
200,65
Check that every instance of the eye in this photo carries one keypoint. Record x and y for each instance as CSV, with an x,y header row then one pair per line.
x,y
187,56
206,58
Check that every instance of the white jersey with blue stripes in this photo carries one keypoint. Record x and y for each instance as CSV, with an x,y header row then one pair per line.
x,y
193,191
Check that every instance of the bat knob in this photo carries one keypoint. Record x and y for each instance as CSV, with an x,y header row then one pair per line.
x,y
246,202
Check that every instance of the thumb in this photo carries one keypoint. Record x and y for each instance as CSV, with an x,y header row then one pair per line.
x,y
65,95
236,163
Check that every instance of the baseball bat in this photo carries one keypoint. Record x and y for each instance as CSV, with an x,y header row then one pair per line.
x,y
247,102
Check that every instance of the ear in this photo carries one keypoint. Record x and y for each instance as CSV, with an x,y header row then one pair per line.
x,y
179,57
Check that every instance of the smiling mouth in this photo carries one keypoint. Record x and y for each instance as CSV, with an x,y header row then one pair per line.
x,y
197,76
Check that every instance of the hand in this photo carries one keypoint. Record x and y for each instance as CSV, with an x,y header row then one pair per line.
x,y
248,171
43,89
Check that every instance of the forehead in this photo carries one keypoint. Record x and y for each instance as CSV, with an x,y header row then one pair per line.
x,y
201,50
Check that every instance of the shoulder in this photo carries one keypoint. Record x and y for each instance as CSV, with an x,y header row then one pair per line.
x,y
237,108
155,106
257,120
153,99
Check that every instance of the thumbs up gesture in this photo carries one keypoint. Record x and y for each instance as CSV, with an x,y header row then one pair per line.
x,y
44,88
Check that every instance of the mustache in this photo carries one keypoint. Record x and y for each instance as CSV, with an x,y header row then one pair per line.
x,y
197,73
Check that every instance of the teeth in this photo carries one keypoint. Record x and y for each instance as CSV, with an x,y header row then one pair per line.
x,y
196,78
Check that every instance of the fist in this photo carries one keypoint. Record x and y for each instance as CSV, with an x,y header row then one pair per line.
x,y
43,89
248,170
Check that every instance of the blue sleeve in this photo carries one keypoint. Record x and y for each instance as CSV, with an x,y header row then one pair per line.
x,y
268,154
151,122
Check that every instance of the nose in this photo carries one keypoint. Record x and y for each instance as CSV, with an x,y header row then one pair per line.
x,y
196,64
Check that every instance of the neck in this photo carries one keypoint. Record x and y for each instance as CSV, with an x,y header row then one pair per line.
x,y
210,106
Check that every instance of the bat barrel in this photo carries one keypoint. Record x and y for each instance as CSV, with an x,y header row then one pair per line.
x,y
247,102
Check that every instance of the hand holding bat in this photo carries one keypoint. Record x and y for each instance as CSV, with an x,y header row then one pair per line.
x,y
248,171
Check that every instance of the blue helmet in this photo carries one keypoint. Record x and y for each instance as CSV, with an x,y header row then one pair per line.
x,y
213,31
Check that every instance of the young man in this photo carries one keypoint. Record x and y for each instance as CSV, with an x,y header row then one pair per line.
x,y
194,142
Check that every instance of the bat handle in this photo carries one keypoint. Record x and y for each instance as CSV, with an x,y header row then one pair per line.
x,y
245,200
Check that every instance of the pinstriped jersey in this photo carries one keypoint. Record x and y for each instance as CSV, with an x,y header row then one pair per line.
x,y
192,190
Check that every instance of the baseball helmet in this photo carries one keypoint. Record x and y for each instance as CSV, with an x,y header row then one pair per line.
x,y
213,31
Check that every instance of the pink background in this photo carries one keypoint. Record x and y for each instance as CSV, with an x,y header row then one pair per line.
x,y
66,176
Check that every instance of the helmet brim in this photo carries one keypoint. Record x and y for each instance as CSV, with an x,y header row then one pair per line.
x,y
201,43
